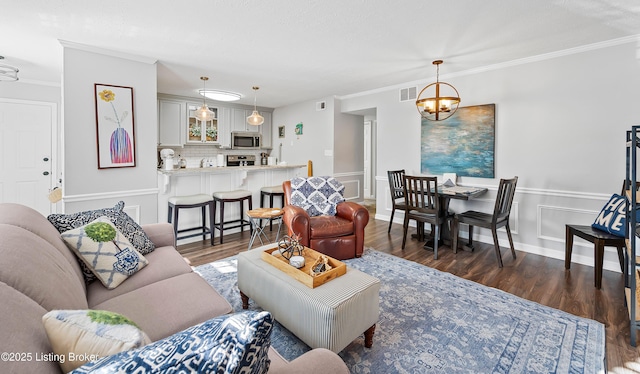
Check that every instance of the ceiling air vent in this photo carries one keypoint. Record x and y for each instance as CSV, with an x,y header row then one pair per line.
x,y
408,94
321,105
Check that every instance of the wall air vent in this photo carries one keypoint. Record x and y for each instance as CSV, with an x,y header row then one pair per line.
x,y
321,105
408,94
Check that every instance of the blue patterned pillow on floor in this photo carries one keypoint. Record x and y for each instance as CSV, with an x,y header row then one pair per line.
x,y
317,195
236,343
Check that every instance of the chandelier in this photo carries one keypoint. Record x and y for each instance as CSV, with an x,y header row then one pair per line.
x,y
204,113
442,105
8,72
255,118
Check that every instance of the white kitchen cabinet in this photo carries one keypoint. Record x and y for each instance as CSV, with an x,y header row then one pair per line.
x,y
172,118
224,126
266,131
201,132
239,120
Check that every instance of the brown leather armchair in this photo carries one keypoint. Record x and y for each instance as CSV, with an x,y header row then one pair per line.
x,y
340,236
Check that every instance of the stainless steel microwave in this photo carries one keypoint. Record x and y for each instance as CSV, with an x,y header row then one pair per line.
x,y
246,140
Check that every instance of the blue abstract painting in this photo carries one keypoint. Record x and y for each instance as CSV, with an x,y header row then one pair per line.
x,y
463,143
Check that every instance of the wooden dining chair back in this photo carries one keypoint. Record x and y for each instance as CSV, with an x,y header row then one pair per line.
x,y
396,188
493,221
422,205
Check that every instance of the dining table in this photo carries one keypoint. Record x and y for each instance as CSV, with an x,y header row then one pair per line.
x,y
445,194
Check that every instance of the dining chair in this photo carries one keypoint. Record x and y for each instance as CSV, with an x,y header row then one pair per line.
x,y
422,205
493,221
600,240
396,188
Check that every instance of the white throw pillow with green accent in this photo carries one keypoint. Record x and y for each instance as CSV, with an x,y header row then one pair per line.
x,y
80,336
105,250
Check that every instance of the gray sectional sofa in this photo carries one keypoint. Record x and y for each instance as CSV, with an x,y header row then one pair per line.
x,y
38,273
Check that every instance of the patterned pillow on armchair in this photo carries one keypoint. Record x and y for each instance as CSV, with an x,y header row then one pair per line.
x,y
236,343
317,195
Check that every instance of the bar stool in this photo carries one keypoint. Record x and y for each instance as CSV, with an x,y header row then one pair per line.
x,y
271,192
223,197
187,202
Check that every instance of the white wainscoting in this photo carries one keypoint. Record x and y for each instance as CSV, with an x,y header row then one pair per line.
x,y
353,183
141,205
538,220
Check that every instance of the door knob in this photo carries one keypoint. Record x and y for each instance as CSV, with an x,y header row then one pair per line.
x,y
45,159
45,173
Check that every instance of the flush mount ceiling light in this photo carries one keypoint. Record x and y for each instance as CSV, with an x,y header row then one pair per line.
x,y
255,118
7,72
219,95
441,105
204,113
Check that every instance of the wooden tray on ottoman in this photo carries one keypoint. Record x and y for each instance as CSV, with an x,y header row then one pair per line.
x,y
302,275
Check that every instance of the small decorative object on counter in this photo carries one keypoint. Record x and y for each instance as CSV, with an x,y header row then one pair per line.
x,y
183,162
263,158
288,246
321,265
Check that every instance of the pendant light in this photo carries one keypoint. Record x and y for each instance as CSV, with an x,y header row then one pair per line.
x,y
255,119
204,113
8,72
441,106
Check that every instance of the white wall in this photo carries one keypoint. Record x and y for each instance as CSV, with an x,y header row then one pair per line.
x,y
560,127
84,185
316,138
331,139
348,163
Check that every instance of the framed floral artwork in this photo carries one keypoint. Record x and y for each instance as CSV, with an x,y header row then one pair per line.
x,y
115,126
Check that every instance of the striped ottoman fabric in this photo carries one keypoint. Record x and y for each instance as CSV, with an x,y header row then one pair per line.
x,y
329,316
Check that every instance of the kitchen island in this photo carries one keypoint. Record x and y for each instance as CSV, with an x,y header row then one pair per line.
x,y
191,181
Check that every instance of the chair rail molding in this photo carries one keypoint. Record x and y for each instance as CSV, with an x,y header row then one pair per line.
x,y
108,195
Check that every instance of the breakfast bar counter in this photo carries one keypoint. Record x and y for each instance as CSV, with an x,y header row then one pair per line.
x,y
226,169
207,180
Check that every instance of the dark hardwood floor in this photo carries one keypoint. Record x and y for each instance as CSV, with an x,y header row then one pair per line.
x,y
533,277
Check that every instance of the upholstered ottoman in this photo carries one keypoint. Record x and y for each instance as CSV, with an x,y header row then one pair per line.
x,y
329,316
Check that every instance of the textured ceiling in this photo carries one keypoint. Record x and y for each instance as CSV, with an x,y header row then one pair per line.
x,y
298,50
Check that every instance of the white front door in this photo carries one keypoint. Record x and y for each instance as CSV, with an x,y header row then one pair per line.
x,y
26,165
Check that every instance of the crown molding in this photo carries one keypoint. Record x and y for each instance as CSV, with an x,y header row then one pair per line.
x,y
503,65
107,52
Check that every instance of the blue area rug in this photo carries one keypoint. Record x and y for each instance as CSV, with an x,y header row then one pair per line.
x,y
435,322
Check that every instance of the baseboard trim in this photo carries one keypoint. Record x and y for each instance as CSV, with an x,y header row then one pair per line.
x,y
542,251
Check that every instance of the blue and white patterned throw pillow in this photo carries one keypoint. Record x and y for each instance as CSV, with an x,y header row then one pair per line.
x,y
612,217
131,230
230,344
84,335
105,251
127,226
317,195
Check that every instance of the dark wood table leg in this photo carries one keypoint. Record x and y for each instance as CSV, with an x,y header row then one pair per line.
x,y
599,255
368,336
245,300
568,247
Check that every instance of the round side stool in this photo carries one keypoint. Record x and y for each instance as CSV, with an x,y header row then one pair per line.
x,y
201,201
271,192
256,216
223,197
